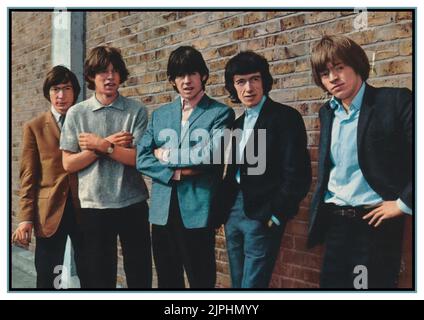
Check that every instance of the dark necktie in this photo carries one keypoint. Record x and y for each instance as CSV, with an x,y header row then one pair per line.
x,y
62,120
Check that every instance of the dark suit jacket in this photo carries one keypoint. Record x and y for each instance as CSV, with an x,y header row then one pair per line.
x,y
287,175
385,151
44,182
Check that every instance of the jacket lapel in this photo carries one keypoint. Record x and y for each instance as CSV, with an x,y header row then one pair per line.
x,y
263,115
232,149
259,124
327,117
197,112
367,109
174,121
51,124
199,109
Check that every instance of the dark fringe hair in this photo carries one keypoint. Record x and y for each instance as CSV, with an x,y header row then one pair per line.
x,y
186,60
247,62
59,75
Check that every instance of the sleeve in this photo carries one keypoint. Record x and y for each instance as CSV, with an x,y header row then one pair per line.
x,y
29,175
69,134
295,170
146,161
405,103
403,207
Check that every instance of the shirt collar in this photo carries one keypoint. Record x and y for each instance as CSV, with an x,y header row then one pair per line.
x,y
255,110
356,102
195,102
118,103
56,114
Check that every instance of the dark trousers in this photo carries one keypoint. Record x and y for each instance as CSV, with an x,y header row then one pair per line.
x,y
101,227
252,248
49,252
176,248
351,243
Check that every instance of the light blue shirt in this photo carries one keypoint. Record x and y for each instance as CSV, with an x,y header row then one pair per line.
x,y
347,185
250,117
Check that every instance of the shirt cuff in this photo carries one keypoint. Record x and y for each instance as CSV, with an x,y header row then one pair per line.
x,y
22,222
165,155
402,206
177,175
275,220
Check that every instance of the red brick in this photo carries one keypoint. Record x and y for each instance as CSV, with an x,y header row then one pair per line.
x,y
403,15
254,17
394,67
229,50
292,22
296,227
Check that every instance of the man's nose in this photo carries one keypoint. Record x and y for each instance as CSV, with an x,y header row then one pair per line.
x,y
333,76
248,86
187,78
110,74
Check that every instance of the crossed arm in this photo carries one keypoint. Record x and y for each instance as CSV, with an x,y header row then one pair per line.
x,y
92,145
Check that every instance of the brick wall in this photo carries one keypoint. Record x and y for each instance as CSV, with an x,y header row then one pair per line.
x,y
31,59
284,38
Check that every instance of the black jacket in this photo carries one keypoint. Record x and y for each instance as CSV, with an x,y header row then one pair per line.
x,y
385,152
287,176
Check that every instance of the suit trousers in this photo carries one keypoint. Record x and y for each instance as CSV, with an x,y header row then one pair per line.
x,y
356,250
252,247
49,252
101,227
176,248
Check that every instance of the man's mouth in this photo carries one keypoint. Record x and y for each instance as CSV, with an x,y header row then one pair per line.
x,y
337,87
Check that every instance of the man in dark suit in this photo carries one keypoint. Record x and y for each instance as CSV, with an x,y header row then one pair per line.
x,y
183,184
49,195
268,172
364,186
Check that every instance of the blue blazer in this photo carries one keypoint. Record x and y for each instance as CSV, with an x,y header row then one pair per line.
x,y
195,192
385,151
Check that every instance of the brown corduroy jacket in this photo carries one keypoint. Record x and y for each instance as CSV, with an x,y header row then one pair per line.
x,y
45,185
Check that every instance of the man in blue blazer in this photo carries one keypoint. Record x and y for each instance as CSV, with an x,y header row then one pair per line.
x,y
177,152
365,172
